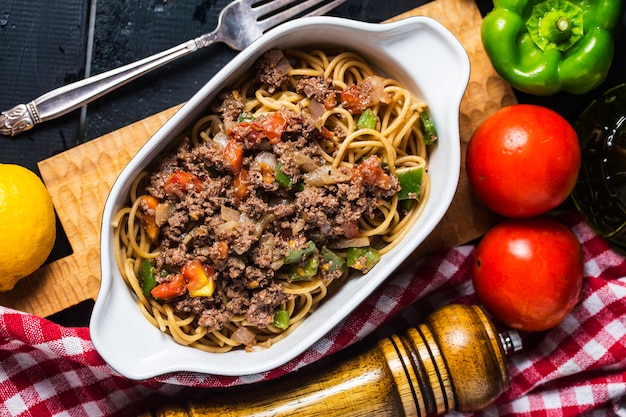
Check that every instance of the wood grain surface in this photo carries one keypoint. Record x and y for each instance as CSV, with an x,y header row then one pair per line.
x,y
79,180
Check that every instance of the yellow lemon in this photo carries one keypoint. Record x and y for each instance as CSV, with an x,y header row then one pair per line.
x,y
27,224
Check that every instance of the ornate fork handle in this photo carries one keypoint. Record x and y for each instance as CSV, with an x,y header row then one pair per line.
x,y
72,96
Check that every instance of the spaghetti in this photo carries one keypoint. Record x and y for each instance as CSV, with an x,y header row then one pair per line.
x,y
311,168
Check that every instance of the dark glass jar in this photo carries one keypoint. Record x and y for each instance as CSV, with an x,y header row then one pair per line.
x,y
600,193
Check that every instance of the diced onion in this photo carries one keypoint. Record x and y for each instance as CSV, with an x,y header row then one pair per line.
x,y
298,226
274,202
325,228
243,335
316,109
220,140
306,163
229,214
244,219
263,222
355,242
277,264
162,212
227,226
267,158
259,346
237,263
378,89
283,66
325,175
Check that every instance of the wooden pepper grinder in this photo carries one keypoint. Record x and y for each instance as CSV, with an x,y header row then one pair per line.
x,y
455,360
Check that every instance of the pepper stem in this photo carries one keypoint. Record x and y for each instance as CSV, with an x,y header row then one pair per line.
x,y
556,30
555,24
562,24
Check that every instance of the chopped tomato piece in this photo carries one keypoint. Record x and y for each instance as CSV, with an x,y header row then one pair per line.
x,y
351,98
200,279
327,133
148,207
170,289
252,132
373,173
330,101
233,152
241,184
181,181
274,126
247,132
367,93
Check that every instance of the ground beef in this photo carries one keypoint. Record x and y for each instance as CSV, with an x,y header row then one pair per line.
x,y
330,210
214,318
195,305
231,107
240,221
302,128
272,69
263,304
320,89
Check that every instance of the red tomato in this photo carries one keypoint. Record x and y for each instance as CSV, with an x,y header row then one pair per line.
x,y
523,160
528,273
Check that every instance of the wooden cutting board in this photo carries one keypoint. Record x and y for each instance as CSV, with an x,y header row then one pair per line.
x,y
79,179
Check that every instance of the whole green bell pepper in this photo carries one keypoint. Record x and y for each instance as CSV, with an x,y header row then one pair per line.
x,y
542,47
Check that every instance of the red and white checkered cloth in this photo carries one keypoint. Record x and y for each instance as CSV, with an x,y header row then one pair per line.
x,y
577,368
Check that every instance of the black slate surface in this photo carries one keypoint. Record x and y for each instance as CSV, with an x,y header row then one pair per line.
x,y
42,47
127,30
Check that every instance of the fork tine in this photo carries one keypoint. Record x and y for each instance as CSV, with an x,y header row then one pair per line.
x,y
325,8
270,6
304,8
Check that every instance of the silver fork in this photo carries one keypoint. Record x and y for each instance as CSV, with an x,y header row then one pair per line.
x,y
240,23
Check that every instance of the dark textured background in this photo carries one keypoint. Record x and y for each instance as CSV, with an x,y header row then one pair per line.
x,y
43,45
46,44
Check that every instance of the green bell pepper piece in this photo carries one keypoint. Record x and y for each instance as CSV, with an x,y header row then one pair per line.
x,y
303,262
428,128
281,178
362,259
147,276
304,270
367,120
281,319
332,264
406,205
410,184
298,254
542,47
